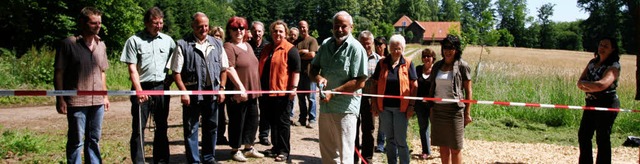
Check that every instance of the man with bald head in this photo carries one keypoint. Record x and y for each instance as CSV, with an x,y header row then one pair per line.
x,y
340,66
307,46
200,63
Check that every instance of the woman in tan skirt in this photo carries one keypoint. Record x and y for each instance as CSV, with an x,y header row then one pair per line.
x,y
450,79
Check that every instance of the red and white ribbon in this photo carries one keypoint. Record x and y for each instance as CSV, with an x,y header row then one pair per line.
x,y
211,92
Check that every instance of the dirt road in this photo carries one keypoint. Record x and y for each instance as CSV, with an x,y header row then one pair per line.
x,y
304,142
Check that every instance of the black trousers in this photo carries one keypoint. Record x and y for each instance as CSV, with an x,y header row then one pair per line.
x,y
222,119
599,122
366,125
277,114
159,106
264,126
243,122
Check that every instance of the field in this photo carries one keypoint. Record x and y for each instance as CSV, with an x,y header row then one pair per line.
x,y
539,76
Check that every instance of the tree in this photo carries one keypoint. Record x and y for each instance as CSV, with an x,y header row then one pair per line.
x,y
383,29
568,35
371,10
390,10
433,11
27,23
512,15
604,20
629,39
491,38
409,36
477,20
328,8
415,9
506,39
450,10
531,35
546,32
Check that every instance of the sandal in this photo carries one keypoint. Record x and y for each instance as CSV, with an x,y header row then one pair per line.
x,y
281,158
424,156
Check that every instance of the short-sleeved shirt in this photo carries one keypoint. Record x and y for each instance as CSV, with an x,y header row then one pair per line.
x,y
372,61
246,64
82,70
177,59
393,80
310,43
150,54
340,64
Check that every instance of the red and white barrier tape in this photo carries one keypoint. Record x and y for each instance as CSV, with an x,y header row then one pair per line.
x,y
172,92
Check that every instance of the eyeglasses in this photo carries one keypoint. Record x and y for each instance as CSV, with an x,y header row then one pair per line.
x,y
241,28
425,56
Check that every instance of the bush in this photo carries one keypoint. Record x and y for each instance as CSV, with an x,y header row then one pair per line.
x,y
36,66
34,71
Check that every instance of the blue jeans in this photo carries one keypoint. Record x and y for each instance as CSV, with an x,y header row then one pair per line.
x,y
423,112
380,139
394,125
307,110
208,109
85,128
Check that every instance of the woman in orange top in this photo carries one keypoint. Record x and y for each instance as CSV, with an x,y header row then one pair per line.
x,y
395,76
279,70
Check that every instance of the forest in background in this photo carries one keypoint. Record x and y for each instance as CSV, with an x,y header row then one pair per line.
x,y
35,23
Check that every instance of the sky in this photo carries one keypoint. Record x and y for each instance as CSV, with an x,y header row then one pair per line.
x,y
563,11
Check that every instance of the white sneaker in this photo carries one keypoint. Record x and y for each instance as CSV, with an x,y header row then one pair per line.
x,y
239,157
253,153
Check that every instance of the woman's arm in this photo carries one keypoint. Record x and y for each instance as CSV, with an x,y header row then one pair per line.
x,y
582,78
610,76
413,89
469,96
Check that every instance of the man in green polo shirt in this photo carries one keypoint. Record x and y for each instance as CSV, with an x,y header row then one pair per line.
x,y
147,53
341,66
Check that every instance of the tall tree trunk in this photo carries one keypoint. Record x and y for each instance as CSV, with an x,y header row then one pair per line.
x,y
635,11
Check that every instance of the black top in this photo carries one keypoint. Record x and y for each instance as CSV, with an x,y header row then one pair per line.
x,y
258,48
423,84
393,82
595,73
293,64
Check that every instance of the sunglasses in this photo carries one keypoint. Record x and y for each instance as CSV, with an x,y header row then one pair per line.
x,y
237,28
448,47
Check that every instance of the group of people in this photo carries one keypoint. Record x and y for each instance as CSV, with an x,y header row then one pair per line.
x,y
207,60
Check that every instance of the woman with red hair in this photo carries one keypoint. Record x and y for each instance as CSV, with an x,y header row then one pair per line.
x,y
243,115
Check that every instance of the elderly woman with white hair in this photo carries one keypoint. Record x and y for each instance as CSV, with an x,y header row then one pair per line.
x,y
395,75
